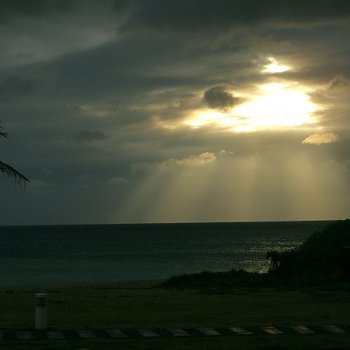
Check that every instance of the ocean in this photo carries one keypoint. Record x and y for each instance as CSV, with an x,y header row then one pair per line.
x,y
112,254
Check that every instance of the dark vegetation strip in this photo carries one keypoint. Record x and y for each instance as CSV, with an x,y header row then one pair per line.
x,y
323,259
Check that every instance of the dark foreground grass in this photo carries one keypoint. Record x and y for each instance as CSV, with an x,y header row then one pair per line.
x,y
107,307
222,343
97,307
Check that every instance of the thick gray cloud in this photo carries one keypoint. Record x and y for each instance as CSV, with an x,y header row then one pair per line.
x,y
15,86
339,84
89,136
36,8
212,14
40,31
218,97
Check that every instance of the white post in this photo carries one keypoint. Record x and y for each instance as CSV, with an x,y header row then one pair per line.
x,y
40,311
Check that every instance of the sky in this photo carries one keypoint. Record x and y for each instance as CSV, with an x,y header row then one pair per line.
x,y
137,111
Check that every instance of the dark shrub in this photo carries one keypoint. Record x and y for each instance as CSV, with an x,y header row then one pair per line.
x,y
282,264
323,257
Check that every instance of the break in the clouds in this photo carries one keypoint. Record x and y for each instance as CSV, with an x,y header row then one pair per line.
x,y
171,164
118,111
320,139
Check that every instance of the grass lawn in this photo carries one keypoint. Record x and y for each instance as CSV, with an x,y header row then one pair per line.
x,y
107,307
223,343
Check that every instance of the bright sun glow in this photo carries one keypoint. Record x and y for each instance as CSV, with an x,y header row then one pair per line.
x,y
274,106
278,107
275,67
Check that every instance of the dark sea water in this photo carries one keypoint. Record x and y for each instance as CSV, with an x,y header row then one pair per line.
x,y
107,254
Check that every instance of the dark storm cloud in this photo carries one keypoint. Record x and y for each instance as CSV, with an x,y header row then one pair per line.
x,y
106,79
37,8
218,97
39,31
184,14
89,136
211,14
15,86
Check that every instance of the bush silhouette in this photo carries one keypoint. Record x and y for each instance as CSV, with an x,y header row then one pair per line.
x,y
323,257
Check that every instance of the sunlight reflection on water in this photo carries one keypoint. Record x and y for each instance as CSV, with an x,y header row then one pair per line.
x,y
114,253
